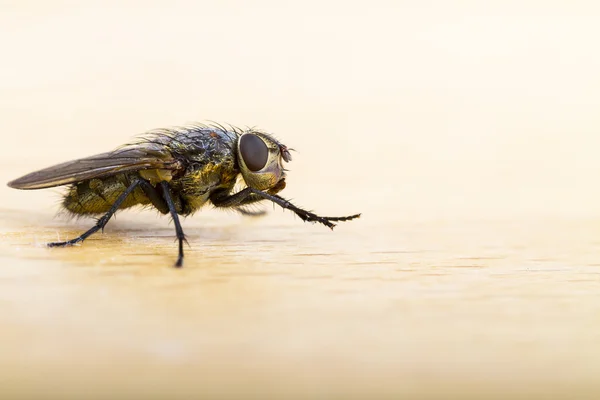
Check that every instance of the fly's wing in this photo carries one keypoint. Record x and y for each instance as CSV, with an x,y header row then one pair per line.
x,y
134,158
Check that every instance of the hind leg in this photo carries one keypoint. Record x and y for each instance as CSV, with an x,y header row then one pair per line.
x,y
102,221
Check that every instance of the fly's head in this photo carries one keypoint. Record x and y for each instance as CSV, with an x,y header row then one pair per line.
x,y
261,160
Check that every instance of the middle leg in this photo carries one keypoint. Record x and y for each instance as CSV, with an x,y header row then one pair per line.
x,y
178,229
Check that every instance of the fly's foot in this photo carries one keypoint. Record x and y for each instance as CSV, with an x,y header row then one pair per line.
x,y
179,262
348,218
327,221
181,239
65,244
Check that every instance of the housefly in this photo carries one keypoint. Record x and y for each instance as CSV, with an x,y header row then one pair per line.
x,y
176,171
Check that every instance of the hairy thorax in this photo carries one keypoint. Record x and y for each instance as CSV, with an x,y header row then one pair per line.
x,y
197,185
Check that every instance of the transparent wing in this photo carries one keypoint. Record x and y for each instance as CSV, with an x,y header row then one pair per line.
x,y
134,158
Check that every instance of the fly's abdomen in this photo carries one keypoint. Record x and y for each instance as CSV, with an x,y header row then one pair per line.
x,y
96,196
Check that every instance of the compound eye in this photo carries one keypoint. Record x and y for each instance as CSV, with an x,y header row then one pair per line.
x,y
254,151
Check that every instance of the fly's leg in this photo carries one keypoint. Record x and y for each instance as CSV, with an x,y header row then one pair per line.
x,y
102,221
178,228
163,202
251,195
154,196
250,213
237,202
242,198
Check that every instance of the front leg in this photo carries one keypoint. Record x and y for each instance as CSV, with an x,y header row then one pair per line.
x,y
251,195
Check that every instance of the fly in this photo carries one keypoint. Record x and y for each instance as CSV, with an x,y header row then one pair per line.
x,y
176,171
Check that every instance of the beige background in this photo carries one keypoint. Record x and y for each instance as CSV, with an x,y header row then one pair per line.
x,y
466,133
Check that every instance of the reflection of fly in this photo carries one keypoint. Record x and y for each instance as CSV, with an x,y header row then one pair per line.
x,y
177,171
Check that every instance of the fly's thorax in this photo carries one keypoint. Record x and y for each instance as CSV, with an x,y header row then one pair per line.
x,y
197,184
260,159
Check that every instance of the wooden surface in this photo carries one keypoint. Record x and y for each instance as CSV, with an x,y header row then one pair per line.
x,y
467,135
277,308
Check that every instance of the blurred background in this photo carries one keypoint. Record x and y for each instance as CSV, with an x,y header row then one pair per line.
x,y
440,108
432,118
